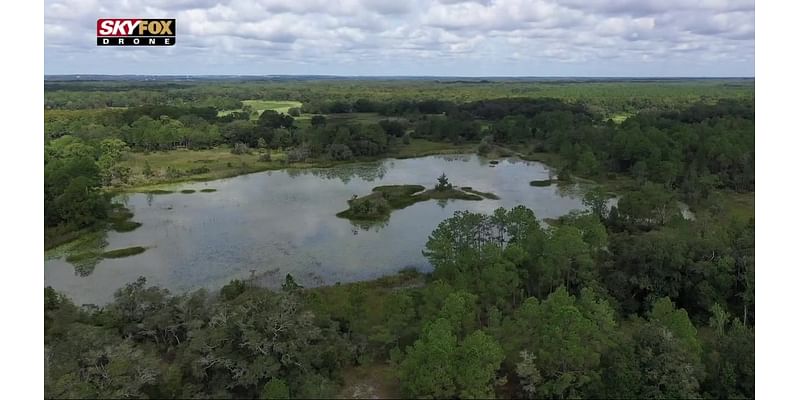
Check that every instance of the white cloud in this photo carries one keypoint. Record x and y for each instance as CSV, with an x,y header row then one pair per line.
x,y
547,37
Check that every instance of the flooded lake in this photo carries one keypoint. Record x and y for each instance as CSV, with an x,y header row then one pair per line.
x,y
268,224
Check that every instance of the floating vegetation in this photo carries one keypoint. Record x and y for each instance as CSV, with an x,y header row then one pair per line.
x,y
209,190
158,191
543,182
125,226
188,191
82,252
120,219
84,263
125,252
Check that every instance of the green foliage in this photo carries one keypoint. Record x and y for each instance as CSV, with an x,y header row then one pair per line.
x,y
499,256
438,366
318,120
649,362
379,204
596,199
694,264
729,361
289,284
529,375
111,151
477,361
651,206
233,289
147,170
442,183
428,368
275,389
566,336
115,371
339,152
71,184
240,148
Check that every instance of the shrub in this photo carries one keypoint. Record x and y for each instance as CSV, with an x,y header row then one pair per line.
x,y
443,184
265,157
147,170
233,289
173,172
197,171
339,152
298,154
240,148
484,148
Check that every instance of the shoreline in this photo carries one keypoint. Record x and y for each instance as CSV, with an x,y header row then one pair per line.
x,y
442,148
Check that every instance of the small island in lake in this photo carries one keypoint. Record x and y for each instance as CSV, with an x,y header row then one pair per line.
x,y
379,204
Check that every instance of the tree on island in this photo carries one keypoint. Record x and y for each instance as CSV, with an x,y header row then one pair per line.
x,y
443,184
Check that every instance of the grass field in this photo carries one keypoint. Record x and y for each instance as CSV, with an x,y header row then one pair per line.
x,y
740,206
216,163
281,106
621,117
220,163
423,147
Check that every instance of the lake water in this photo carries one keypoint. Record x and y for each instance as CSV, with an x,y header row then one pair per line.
x,y
272,223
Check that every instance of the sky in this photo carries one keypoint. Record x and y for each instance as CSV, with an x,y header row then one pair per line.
x,y
586,38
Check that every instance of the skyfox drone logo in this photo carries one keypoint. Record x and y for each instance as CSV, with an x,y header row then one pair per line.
x,y
135,32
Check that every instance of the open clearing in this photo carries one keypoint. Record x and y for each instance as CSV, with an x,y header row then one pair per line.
x,y
281,106
219,162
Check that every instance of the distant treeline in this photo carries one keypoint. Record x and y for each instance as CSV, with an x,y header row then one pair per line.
x,y
606,96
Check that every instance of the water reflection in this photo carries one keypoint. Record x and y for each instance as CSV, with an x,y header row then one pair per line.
x,y
368,172
273,223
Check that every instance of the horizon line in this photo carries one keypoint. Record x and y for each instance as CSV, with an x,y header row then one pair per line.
x,y
421,76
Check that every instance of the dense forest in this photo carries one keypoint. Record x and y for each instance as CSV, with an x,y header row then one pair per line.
x,y
511,309
626,300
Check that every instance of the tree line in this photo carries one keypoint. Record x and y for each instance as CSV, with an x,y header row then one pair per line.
x,y
692,152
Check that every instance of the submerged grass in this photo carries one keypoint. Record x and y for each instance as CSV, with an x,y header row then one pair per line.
x,y
84,251
88,241
81,257
543,182
125,252
125,226
63,234
486,195
119,219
